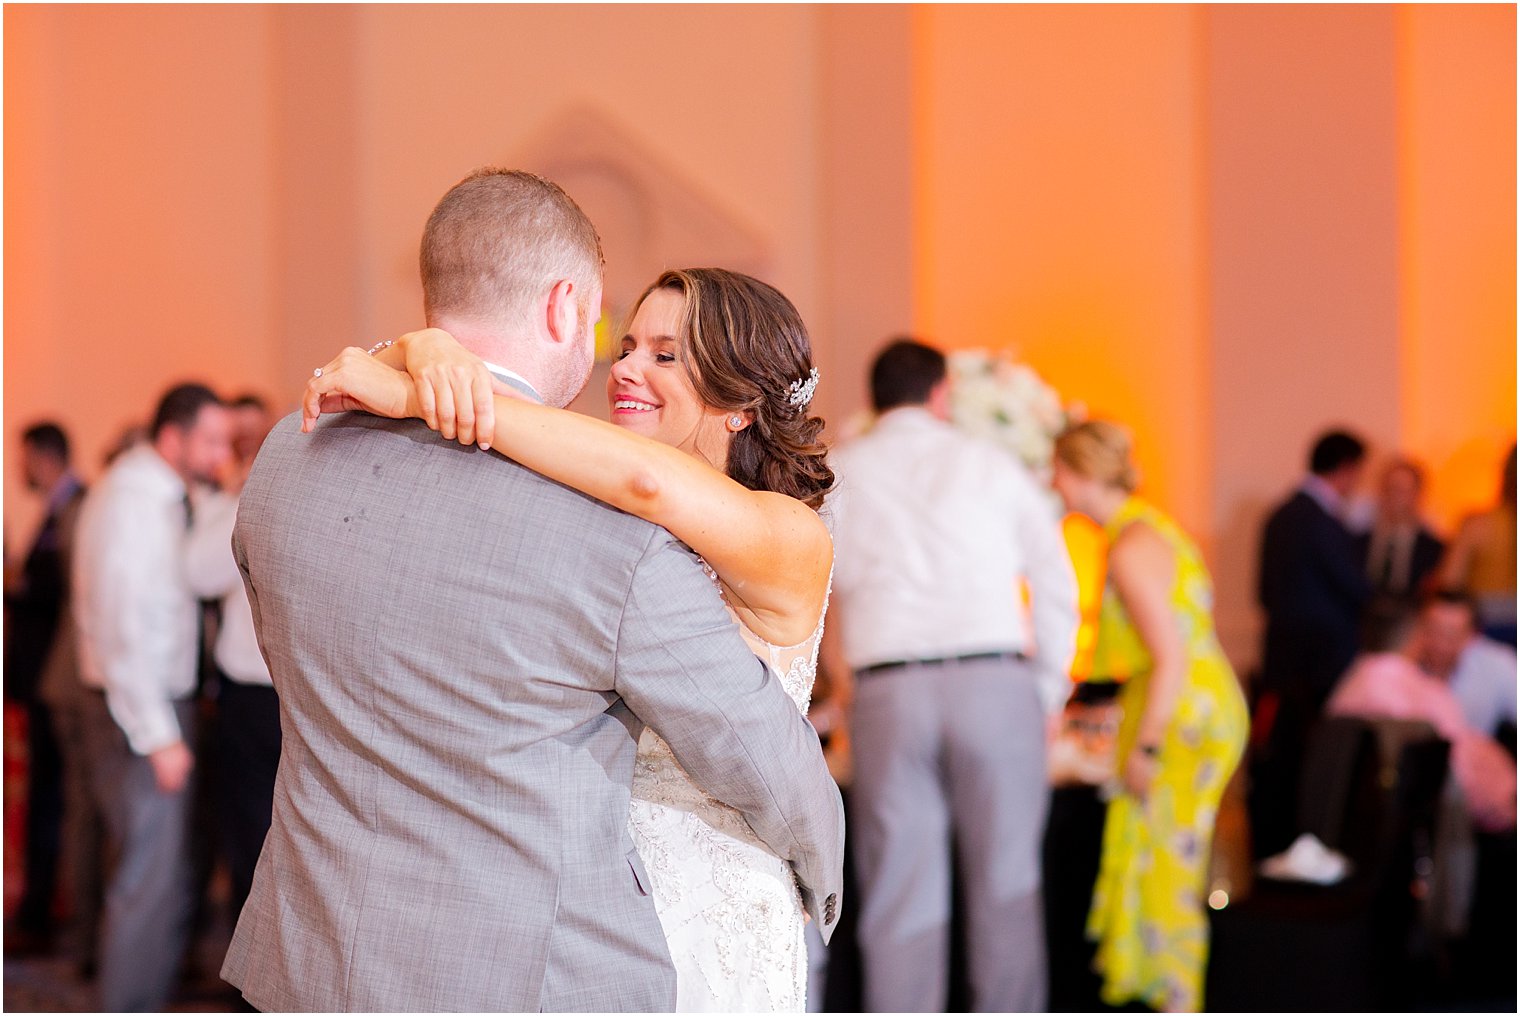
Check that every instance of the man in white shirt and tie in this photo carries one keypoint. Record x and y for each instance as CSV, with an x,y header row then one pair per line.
x,y
936,535
1399,551
247,735
138,625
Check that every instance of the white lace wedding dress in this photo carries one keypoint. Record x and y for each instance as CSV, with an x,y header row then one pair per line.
x,y
730,908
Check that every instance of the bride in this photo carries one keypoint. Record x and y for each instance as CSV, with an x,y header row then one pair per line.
x,y
712,439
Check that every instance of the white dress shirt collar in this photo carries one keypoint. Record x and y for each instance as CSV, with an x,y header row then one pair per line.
x,y
910,417
512,379
1327,496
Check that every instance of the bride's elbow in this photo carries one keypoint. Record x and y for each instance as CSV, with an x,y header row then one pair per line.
x,y
644,488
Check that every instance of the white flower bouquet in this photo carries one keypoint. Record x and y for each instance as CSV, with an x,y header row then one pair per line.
x,y
1006,403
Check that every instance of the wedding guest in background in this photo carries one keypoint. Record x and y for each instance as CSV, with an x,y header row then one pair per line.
x,y
130,437
1182,731
1386,681
138,641
1482,560
1400,552
38,671
251,422
232,768
1313,588
247,709
934,533
1479,671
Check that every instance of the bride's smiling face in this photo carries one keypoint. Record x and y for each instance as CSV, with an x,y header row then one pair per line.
x,y
649,392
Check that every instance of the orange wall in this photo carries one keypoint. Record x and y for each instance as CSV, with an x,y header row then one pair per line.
x,y
1303,256
1058,212
867,201
1224,225
138,211
1457,245
449,87
234,192
1231,227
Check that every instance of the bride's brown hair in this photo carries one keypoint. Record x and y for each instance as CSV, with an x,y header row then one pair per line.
x,y
743,345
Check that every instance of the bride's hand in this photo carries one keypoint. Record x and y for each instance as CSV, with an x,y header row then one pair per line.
x,y
453,386
355,380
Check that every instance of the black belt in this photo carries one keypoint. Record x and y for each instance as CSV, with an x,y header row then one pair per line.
x,y
877,668
102,693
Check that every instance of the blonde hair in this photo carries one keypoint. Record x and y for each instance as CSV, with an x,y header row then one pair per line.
x,y
1100,451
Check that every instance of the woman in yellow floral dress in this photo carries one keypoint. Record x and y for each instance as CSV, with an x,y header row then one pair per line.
x,y
1183,730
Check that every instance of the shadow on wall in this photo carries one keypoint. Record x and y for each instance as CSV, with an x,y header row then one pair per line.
x,y
651,217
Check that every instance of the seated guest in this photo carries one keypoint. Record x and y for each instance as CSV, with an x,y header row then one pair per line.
x,y
1479,671
1399,552
1481,561
1480,675
1386,682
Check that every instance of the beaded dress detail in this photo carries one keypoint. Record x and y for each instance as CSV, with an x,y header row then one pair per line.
x,y
731,909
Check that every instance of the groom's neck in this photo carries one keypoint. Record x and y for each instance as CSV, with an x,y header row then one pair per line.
x,y
503,345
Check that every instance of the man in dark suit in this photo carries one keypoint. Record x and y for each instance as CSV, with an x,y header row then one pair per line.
x,y
36,593
1313,587
1399,553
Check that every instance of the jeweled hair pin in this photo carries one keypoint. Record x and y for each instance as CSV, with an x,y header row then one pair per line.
x,y
801,391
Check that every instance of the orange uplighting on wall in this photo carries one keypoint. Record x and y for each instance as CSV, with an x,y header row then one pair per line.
x,y
1456,136
1089,557
1057,212
1225,226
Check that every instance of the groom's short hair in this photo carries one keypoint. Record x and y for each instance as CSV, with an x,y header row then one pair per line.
x,y
904,374
500,239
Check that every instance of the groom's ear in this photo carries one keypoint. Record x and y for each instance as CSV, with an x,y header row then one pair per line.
x,y
564,316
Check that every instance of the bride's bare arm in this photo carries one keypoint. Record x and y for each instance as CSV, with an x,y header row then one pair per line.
x,y
772,551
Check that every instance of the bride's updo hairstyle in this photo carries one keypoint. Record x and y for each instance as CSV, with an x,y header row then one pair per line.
x,y
1100,451
745,350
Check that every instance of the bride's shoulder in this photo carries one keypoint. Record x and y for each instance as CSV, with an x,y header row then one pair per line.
x,y
803,527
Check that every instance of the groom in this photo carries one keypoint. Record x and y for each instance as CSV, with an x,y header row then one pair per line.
x,y
465,654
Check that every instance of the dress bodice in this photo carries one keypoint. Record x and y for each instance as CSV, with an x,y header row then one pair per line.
x,y
1119,652
659,778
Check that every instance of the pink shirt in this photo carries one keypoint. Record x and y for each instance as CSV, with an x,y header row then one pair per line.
x,y
1389,685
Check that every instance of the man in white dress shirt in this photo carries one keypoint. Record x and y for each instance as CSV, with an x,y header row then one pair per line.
x,y
247,736
138,626
936,534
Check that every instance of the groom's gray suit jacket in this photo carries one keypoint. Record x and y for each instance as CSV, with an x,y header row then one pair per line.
x,y
464,652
